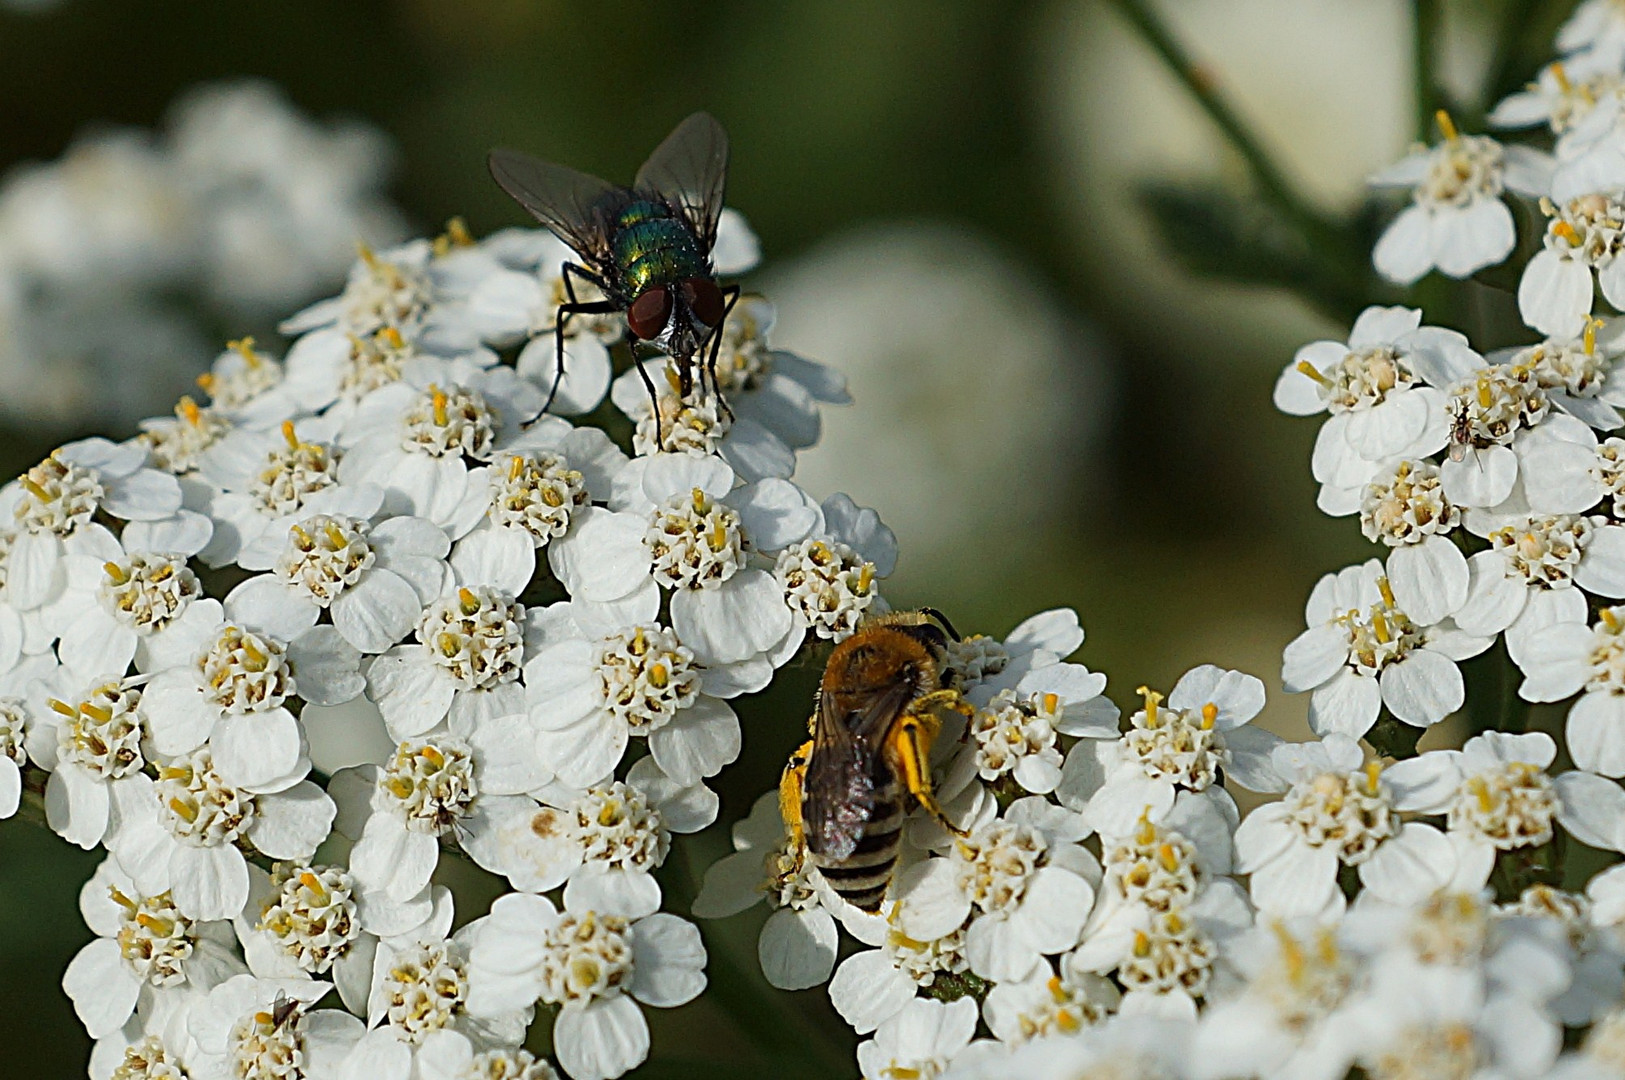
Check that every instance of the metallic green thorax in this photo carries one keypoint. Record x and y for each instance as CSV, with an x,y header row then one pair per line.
x,y
652,247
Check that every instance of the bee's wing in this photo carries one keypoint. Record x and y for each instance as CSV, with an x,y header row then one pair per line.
x,y
559,197
690,169
839,788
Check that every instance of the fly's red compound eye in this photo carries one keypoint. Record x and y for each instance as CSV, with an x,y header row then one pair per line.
x,y
649,313
704,299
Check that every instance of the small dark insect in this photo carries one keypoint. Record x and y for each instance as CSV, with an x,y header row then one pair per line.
x,y
283,1010
647,247
1461,430
845,793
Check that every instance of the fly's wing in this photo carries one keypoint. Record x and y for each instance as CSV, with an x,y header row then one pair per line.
x,y
690,170
559,197
839,788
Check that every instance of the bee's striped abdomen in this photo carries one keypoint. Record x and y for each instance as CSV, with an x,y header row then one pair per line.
x,y
861,877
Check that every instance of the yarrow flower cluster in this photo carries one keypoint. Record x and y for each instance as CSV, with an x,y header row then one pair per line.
x,y
384,523
396,525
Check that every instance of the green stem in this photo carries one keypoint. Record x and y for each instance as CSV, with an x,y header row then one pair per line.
x,y
1392,737
1202,85
1427,17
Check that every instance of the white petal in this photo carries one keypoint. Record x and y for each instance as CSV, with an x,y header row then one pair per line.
x,y
1429,579
1469,239
1596,733
1313,657
208,882
102,986
668,961
1593,809
1348,705
1423,688
1602,567
744,615
697,742
1408,868
376,611
1402,254
601,1040
292,824
1554,295
1481,478
868,990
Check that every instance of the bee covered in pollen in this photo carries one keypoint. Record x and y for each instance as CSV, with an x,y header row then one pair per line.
x,y
846,792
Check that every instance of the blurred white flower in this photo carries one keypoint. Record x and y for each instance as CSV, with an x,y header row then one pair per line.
x,y
1456,221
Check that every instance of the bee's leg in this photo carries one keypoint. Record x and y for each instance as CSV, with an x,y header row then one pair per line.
x,y
731,293
572,306
791,783
910,746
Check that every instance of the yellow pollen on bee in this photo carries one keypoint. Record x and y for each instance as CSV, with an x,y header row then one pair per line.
x,y
185,808
437,398
1610,619
1447,126
189,411
1304,367
1567,232
1210,716
1152,700
1168,857
468,601
63,707
244,347
289,436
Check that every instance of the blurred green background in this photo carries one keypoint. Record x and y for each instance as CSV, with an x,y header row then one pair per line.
x,y
952,197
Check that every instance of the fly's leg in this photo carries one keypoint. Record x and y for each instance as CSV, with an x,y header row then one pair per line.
x,y
909,744
791,784
731,294
654,396
573,306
